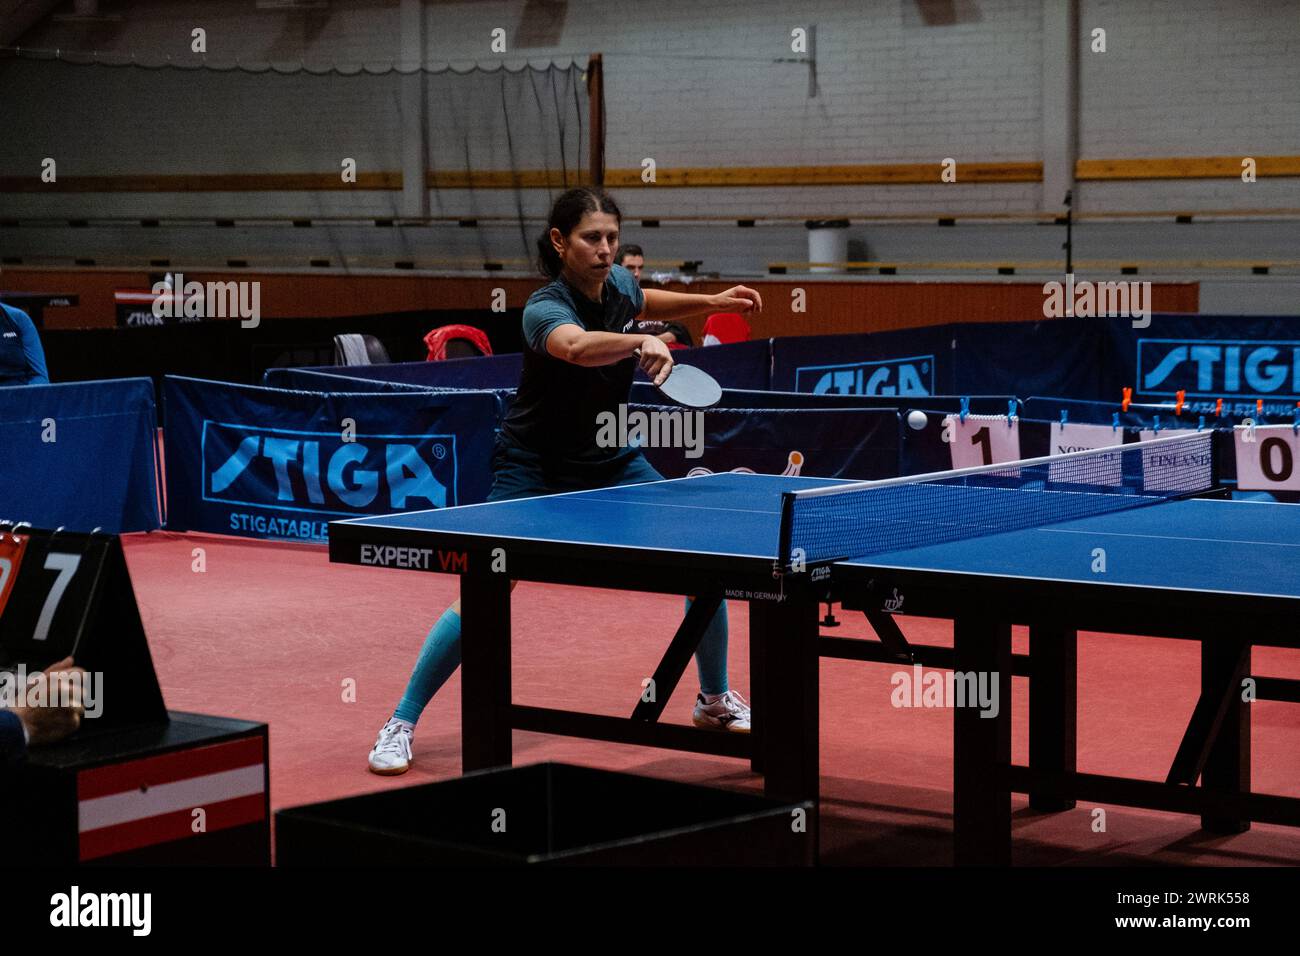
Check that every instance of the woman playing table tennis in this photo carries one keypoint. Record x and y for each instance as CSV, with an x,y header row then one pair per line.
x,y
579,362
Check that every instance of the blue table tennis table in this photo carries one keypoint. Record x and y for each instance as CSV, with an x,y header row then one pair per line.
x,y
1220,572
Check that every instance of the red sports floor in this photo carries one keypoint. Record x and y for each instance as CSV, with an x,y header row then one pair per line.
x,y
272,632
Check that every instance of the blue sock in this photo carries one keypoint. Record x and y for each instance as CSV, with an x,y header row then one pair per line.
x,y
438,660
711,656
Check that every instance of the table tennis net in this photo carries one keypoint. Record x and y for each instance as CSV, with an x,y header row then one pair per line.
x,y
867,518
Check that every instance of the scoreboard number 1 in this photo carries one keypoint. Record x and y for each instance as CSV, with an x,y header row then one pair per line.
x,y
982,440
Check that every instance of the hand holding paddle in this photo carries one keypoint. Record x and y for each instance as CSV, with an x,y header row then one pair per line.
x,y
684,384
654,358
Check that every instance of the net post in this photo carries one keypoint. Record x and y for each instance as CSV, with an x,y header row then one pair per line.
x,y
1216,476
784,535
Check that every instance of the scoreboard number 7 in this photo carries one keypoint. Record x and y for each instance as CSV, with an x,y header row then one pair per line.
x,y
66,565
47,581
69,594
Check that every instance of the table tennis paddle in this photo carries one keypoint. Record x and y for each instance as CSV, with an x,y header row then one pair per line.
x,y
687,385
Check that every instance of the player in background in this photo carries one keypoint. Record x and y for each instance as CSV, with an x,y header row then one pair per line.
x,y
22,360
632,259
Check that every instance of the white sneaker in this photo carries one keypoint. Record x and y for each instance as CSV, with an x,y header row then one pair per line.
x,y
392,753
729,712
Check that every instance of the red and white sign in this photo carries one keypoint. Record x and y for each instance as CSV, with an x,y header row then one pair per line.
x,y
142,803
11,558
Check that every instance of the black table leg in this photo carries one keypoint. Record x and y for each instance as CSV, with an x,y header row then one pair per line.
x,y
678,657
787,634
982,745
485,670
1227,767
757,689
1053,709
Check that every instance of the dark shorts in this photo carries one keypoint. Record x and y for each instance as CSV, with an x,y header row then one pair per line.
x,y
517,473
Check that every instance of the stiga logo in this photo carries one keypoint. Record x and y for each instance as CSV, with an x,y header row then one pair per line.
x,y
1210,368
903,376
320,472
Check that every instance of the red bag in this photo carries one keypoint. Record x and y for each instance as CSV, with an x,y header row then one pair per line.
x,y
437,340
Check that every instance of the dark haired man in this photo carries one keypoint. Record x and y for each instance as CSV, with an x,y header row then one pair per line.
x,y
631,258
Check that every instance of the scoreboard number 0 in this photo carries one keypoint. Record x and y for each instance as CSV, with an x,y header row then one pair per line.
x,y
1266,457
1285,461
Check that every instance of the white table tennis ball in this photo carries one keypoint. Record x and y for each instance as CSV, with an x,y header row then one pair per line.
x,y
916,419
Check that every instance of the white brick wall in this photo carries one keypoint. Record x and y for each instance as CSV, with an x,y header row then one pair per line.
x,y
103,120
154,30
692,85
1190,78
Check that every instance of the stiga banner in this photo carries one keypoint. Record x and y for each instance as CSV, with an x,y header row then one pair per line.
x,y
1240,359
908,363
80,456
1057,357
272,463
824,443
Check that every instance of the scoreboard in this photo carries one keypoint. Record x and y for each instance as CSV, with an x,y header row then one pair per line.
x,y
135,784
66,594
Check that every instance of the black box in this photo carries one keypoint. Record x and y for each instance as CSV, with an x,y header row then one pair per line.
x,y
548,813
191,790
